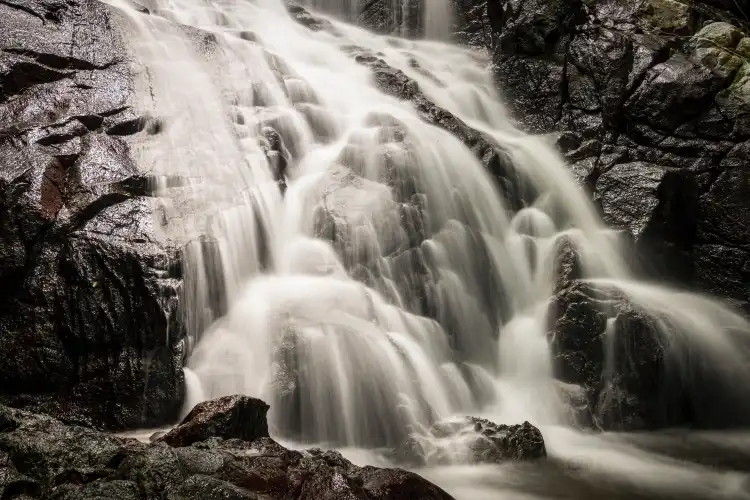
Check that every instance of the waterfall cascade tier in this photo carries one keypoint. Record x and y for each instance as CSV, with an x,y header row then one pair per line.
x,y
430,18
359,267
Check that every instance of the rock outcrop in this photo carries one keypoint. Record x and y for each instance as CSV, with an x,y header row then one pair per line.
x,y
88,327
42,458
649,101
472,440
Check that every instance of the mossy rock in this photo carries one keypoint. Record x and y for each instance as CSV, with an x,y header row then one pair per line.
x,y
717,35
715,45
743,48
670,16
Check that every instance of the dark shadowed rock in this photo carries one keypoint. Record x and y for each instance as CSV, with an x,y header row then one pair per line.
x,y
230,417
88,326
631,366
477,441
42,458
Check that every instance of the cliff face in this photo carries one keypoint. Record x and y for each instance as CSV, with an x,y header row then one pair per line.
x,y
88,328
651,104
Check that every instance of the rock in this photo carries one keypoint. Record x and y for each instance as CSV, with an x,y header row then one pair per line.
x,y
42,458
587,325
230,417
631,366
472,440
88,302
651,102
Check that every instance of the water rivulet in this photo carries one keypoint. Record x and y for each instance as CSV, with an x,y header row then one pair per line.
x,y
372,246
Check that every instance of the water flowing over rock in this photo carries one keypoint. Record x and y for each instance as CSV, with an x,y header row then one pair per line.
x,y
352,227
42,458
472,440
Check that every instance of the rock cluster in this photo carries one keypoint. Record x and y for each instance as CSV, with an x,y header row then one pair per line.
x,y
215,456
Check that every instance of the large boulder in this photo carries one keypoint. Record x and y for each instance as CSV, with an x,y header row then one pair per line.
x,y
472,440
88,324
639,371
43,458
650,102
230,417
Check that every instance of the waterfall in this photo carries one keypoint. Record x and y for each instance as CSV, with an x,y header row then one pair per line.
x,y
392,284
432,17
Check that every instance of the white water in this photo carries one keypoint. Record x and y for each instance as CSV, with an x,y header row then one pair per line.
x,y
390,286
434,16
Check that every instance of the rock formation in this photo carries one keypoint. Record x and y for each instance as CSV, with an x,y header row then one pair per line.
x,y
472,440
42,458
650,102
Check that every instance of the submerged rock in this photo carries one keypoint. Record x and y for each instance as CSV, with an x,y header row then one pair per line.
x,y
230,417
43,458
472,440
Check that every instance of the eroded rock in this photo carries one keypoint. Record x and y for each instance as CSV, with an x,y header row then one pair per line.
x,y
88,304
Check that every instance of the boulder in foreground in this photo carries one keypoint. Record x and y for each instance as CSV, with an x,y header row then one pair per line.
x,y
230,417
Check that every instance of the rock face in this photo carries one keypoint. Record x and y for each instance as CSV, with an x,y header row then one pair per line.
x,y
650,102
42,458
481,441
229,417
88,330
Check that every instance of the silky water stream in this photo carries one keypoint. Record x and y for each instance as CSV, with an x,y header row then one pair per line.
x,y
360,270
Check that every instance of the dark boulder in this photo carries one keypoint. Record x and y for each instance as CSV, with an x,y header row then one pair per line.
x,y
590,328
638,371
230,417
88,326
473,440
42,458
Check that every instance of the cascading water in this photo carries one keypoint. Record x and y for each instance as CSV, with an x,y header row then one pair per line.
x,y
431,17
390,286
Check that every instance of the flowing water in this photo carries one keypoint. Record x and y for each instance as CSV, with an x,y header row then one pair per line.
x,y
359,269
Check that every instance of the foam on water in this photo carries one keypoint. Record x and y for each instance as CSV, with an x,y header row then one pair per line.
x,y
389,286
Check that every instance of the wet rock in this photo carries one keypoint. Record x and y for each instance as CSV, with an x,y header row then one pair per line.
x,y
594,331
88,303
631,366
42,458
394,82
380,16
473,440
230,417
659,87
